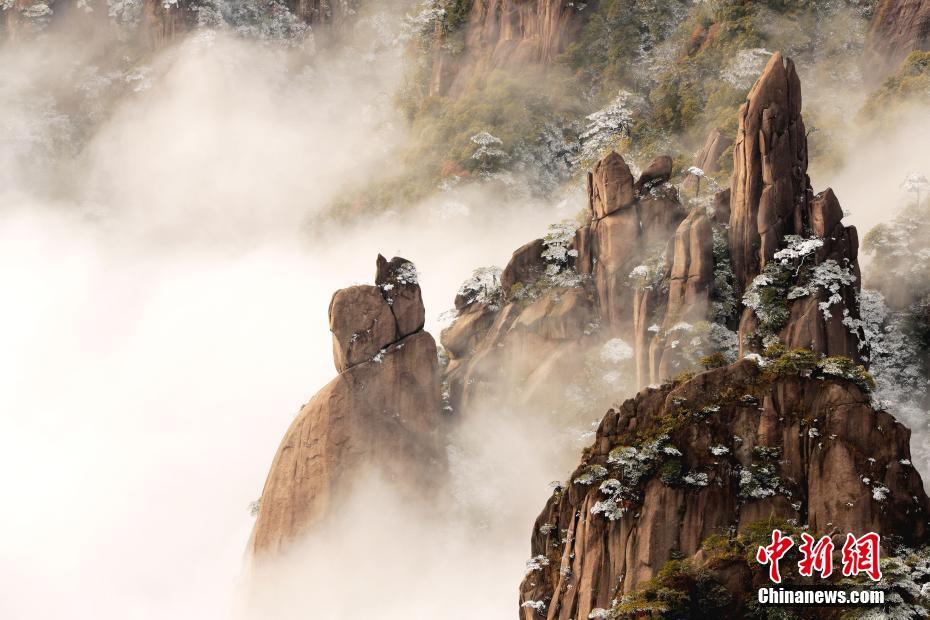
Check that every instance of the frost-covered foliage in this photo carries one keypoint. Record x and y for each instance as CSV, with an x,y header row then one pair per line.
x,y
489,155
915,183
591,474
767,295
125,12
845,368
558,255
896,324
611,507
608,126
894,358
901,255
791,275
634,464
536,563
798,248
264,20
549,160
406,274
651,274
484,286
615,351
432,19
694,342
831,277
630,466
429,16
723,297
745,67
906,583
38,12
897,362
695,479
539,606
760,479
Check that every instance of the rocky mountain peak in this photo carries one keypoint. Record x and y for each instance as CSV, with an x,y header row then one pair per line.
x,y
770,188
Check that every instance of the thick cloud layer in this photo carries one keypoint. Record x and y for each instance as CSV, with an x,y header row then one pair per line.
x,y
164,316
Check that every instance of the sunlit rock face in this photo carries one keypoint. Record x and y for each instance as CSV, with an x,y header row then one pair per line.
x,y
770,200
568,299
899,27
690,471
718,455
770,187
766,260
504,34
382,411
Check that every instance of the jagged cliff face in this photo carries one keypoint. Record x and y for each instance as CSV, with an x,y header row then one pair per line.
x,y
382,411
716,455
771,198
504,34
648,271
769,192
561,303
688,472
899,27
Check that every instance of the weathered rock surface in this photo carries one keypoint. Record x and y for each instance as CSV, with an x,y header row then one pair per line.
x,y
708,158
539,338
610,186
381,412
712,456
506,34
362,324
770,187
770,198
625,236
656,275
525,267
397,280
808,327
898,28
657,172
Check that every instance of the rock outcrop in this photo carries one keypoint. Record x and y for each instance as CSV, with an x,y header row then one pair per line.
x,y
771,199
708,159
769,191
561,303
766,261
683,478
692,471
626,230
381,412
898,28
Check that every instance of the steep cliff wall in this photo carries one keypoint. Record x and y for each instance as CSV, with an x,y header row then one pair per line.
x,y
899,27
503,34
